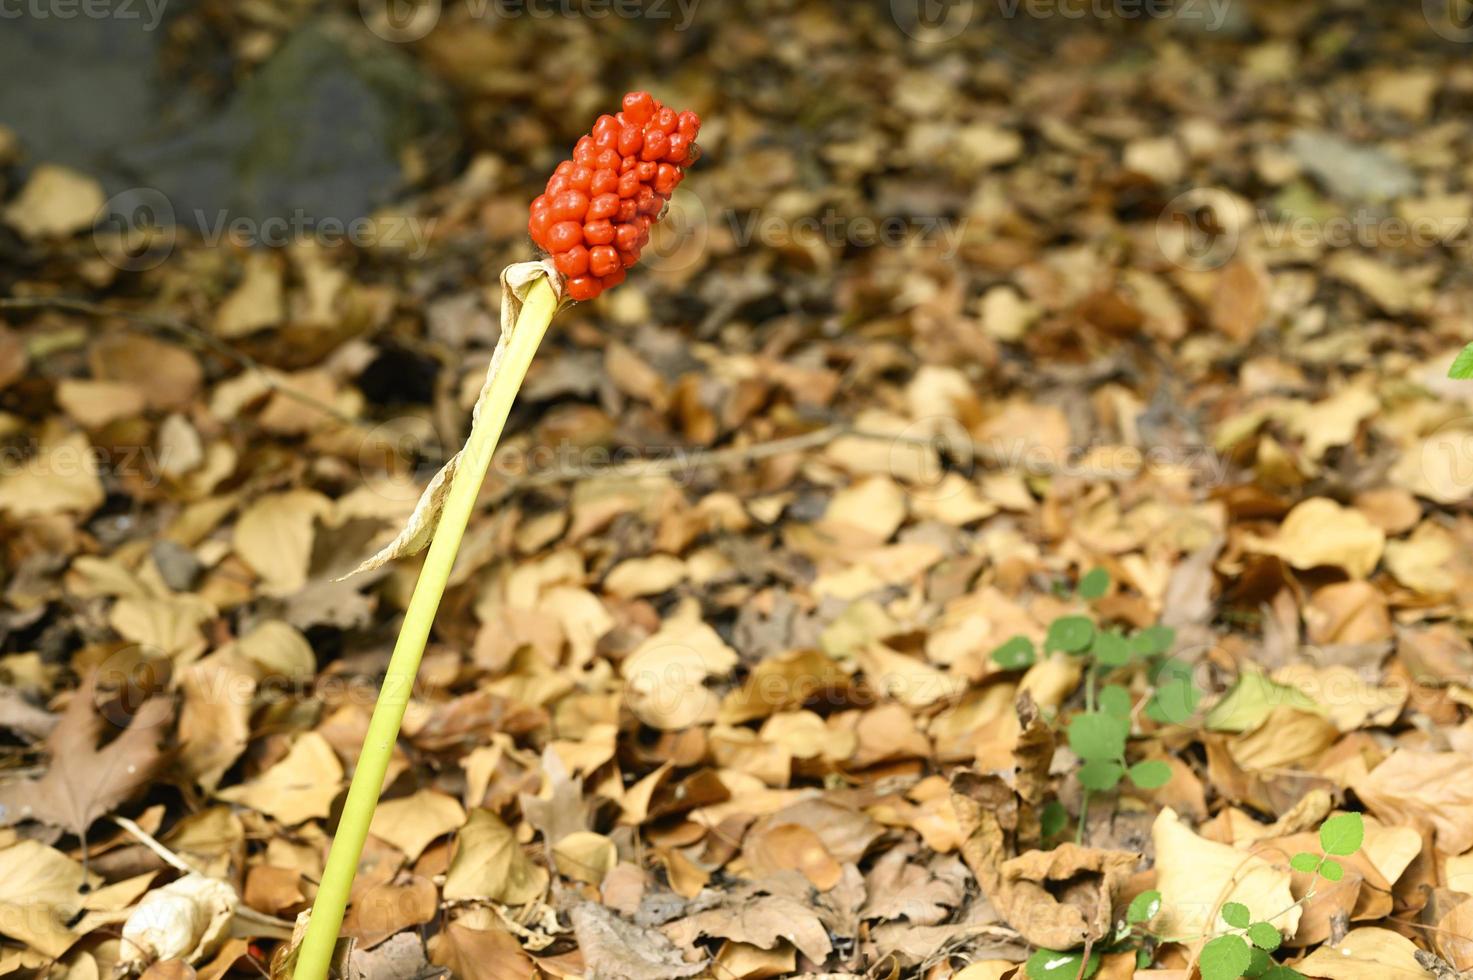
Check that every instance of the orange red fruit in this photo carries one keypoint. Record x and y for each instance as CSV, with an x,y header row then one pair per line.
x,y
595,215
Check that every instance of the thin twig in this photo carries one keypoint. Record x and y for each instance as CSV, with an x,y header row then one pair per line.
x,y
980,454
183,329
148,841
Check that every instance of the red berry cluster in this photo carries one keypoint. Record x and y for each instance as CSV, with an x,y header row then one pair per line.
x,y
596,214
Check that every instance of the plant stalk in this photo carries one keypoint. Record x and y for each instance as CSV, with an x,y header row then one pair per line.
x,y
314,956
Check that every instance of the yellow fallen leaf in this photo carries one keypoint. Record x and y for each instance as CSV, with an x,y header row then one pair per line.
x,y
1196,876
1368,953
412,822
299,787
55,202
61,478
873,507
274,537
912,682
585,856
1320,532
490,865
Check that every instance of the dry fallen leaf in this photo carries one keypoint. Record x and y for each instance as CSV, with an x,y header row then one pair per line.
x,y
412,822
1321,532
1196,876
87,776
490,865
1428,789
1367,953
300,787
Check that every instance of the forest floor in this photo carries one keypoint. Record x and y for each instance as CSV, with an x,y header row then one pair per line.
x,y
1016,509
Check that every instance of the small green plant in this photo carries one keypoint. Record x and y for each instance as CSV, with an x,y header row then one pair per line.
x,y
1244,948
1462,366
1099,734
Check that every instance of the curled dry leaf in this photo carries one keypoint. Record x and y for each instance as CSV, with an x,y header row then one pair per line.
x,y
412,822
762,914
665,678
187,919
40,892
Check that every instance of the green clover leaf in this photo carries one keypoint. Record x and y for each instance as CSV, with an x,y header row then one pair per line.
x,y
1101,775
1149,774
1097,735
1069,634
1305,861
1264,936
1048,964
1094,584
1015,654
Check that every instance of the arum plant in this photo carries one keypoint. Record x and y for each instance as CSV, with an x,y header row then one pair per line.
x,y
593,220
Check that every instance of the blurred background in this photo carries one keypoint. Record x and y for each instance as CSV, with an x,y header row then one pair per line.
x,y
964,298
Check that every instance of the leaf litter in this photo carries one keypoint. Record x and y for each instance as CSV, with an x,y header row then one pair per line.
x,y
831,609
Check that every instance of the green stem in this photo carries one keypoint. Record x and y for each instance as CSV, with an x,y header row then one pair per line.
x,y
314,957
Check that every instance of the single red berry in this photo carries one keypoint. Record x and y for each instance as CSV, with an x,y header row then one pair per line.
x,y
639,106
603,182
569,206
603,206
573,262
563,236
598,232
655,145
602,260
583,287
631,138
